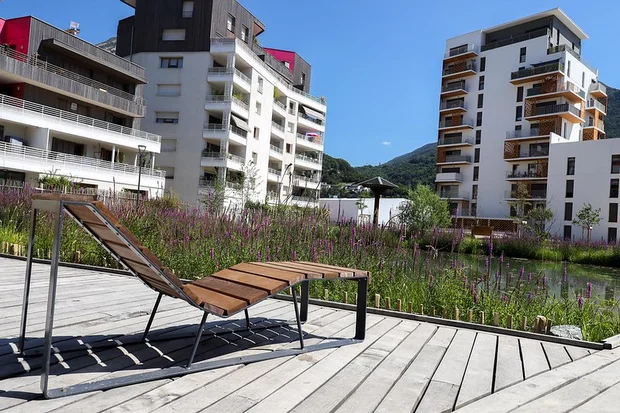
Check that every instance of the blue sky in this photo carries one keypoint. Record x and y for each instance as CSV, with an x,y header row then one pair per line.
x,y
378,63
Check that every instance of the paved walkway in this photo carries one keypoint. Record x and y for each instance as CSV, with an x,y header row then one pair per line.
x,y
402,366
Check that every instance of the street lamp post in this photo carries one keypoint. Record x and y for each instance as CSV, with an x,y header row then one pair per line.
x,y
280,183
141,151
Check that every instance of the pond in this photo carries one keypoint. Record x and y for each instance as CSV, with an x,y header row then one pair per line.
x,y
605,280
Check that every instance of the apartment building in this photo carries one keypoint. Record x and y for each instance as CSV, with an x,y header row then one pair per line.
x,y
518,106
234,115
69,108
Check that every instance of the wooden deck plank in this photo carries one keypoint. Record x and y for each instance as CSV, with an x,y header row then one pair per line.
x,y
534,359
407,392
509,368
606,402
556,354
576,353
478,380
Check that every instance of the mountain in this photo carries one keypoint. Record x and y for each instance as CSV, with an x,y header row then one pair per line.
x,y
612,120
109,45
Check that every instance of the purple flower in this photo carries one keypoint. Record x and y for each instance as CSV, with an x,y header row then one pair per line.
x,y
588,290
294,256
486,263
564,274
491,248
530,297
529,277
507,265
580,302
501,257
544,281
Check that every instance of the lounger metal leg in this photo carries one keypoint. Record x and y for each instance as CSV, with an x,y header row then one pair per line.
x,y
362,306
197,342
148,325
51,300
247,319
301,333
305,297
22,330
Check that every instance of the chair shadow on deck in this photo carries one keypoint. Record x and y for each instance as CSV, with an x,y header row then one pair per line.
x,y
166,347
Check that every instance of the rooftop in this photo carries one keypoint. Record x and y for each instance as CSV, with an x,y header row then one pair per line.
x,y
402,365
557,12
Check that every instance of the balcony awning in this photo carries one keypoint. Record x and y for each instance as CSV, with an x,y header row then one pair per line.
x,y
240,123
313,113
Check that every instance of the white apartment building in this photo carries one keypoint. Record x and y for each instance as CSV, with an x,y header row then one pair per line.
x,y
233,114
518,104
71,109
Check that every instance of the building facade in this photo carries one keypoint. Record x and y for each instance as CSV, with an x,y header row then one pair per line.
x,y
235,116
517,102
71,109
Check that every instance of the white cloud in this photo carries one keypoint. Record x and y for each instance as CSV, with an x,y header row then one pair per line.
x,y
386,143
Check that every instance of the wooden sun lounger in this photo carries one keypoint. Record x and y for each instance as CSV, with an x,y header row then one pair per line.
x,y
223,294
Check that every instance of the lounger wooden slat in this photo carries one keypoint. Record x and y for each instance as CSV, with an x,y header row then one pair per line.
x,y
312,269
248,294
344,272
269,285
308,275
217,303
289,277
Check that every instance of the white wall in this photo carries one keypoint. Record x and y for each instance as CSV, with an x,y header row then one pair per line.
x,y
347,209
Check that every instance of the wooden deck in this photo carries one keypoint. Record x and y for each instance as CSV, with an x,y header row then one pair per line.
x,y
402,366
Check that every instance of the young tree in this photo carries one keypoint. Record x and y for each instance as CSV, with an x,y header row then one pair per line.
x,y
539,219
520,203
587,218
424,210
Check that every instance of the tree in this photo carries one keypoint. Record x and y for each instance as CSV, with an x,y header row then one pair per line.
x,y
521,204
540,219
424,210
587,218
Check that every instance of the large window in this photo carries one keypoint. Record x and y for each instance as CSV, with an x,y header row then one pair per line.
x,y
570,166
478,137
171,62
568,211
613,212
613,188
481,83
615,164
166,117
479,119
173,35
519,114
520,94
477,155
612,235
230,23
483,64
568,232
522,54
476,173
480,100
570,187
245,33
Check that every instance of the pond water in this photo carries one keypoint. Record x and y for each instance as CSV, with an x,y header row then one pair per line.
x,y
605,280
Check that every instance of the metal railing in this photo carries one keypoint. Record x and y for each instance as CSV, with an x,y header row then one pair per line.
x,y
593,103
308,159
454,86
591,123
559,108
455,123
569,50
458,69
242,133
241,103
279,104
274,171
304,199
532,194
220,71
452,105
598,87
449,177
215,127
242,75
560,87
525,133
318,140
529,153
538,70
275,149
311,119
457,158
454,194
313,179
218,98
69,118
55,160
515,39
456,141
221,156
44,65
466,48
277,126
526,174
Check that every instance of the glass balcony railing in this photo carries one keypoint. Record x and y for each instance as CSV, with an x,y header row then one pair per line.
x,y
454,194
595,104
598,87
459,68
525,133
532,194
456,141
515,39
538,70
457,158
452,123
454,86
560,87
459,104
526,174
457,51
551,109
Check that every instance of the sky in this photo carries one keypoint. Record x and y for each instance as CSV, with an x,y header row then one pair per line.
x,y
377,62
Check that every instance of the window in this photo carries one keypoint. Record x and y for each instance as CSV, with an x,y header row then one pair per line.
x,y
171,62
474,210
480,100
245,33
168,90
483,64
477,155
230,23
568,232
474,191
188,9
570,186
568,69
612,235
479,119
260,85
259,108
287,65
481,83
169,171
613,188
303,78
583,80
564,130
476,172
613,212
290,127
519,114
568,211
570,166
478,137
166,117
615,164
518,127
520,94
289,148
168,145
173,35
522,53
256,133
254,158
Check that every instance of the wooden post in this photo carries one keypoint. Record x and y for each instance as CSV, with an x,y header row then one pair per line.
x,y
443,312
548,330
524,323
326,294
470,315
509,321
410,307
346,297
496,319
388,303
540,325
434,312
457,313
299,290
377,300
355,298
481,317
422,309
400,305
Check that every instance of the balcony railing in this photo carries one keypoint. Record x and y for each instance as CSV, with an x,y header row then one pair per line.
x,y
529,153
308,159
593,103
455,123
526,174
461,50
598,87
62,117
215,127
274,171
277,126
449,177
538,70
454,86
561,87
454,194
242,133
551,109
525,133
565,48
275,149
221,156
515,39
456,141
242,75
49,160
457,158
532,194
460,104
220,71
279,104
311,119
459,68
48,67
317,140
314,179
240,103
591,123
218,98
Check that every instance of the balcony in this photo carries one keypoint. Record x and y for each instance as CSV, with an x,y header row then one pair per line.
x,y
313,141
305,202
240,107
534,73
565,110
36,115
36,160
526,175
525,134
221,160
453,142
594,105
455,89
275,152
307,162
568,90
217,102
569,50
459,70
594,123
229,74
311,122
454,194
277,129
455,160
466,51
47,76
279,107
526,154
449,177
207,186
455,124
303,181
531,194
452,107
273,175
598,90
515,39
